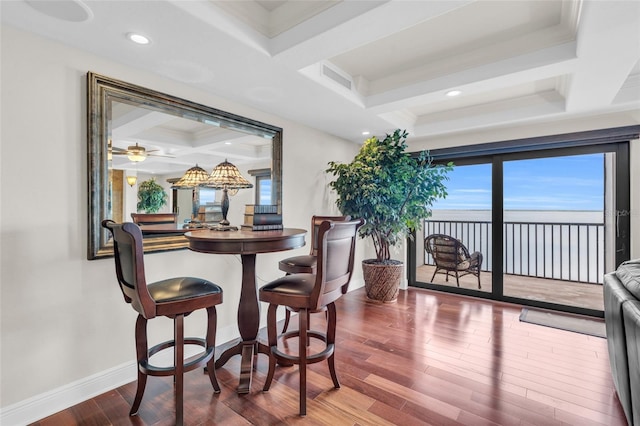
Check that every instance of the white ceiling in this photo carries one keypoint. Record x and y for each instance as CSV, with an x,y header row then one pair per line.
x,y
350,66
174,144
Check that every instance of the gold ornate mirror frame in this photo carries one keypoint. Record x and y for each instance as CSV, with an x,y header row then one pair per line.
x,y
102,92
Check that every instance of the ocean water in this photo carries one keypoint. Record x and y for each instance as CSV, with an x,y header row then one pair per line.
x,y
537,216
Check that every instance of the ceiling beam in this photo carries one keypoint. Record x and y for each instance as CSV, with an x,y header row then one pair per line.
x,y
608,49
332,34
545,63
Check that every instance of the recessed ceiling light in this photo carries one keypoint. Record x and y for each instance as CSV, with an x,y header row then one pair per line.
x,y
452,93
365,133
227,143
138,38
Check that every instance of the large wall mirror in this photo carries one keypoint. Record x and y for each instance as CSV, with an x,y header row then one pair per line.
x,y
169,135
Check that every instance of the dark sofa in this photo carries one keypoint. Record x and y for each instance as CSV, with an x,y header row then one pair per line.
x,y
622,317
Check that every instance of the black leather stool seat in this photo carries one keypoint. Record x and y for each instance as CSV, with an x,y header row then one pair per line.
x,y
175,289
296,287
183,295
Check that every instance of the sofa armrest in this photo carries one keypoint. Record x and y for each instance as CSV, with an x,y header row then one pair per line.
x,y
631,314
615,296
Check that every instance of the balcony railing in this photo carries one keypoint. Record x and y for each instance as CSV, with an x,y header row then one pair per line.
x,y
562,251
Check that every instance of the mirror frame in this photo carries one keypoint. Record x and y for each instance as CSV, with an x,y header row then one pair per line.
x,y
101,91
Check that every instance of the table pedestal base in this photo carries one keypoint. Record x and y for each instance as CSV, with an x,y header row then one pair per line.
x,y
247,350
247,244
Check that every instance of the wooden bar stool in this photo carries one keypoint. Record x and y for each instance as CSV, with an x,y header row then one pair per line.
x,y
304,293
174,298
306,264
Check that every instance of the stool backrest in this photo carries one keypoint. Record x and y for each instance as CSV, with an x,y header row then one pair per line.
x,y
316,221
129,258
336,251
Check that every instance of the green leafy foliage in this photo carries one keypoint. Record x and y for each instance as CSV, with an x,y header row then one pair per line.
x,y
389,188
151,196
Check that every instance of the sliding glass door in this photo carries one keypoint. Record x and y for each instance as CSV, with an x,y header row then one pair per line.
x,y
554,237
547,223
465,215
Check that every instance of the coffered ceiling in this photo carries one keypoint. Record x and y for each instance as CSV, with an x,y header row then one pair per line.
x,y
350,66
174,144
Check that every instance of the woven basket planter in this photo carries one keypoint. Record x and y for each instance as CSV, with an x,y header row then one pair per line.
x,y
382,282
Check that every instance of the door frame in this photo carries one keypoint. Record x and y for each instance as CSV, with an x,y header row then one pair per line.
x,y
607,140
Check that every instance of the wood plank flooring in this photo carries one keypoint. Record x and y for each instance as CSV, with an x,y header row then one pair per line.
x,y
571,293
429,359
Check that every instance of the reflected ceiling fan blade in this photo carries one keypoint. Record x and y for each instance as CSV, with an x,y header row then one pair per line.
x,y
159,154
139,151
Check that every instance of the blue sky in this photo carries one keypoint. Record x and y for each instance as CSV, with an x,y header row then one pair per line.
x,y
557,183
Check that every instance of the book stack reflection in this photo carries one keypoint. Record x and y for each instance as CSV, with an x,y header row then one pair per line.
x,y
262,217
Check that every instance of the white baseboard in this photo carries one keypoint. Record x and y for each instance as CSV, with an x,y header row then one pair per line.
x,y
53,401
48,403
355,284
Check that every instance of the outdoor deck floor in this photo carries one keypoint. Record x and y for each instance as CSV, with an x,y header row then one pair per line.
x,y
570,293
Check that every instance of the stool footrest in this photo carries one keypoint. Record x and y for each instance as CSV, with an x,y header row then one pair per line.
x,y
190,363
311,358
310,333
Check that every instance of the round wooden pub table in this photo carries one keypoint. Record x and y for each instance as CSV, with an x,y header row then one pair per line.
x,y
247,244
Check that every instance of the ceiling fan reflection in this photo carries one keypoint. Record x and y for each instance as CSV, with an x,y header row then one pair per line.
x,y
137,153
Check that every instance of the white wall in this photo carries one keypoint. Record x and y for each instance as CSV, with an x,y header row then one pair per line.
x,y
63,317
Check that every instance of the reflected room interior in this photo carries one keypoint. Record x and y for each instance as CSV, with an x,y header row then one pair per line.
x,y
172,145
136,134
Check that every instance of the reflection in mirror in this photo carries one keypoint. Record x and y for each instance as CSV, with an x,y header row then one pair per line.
x,y
137,135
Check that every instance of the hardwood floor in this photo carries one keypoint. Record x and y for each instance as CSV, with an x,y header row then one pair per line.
x,y
429,359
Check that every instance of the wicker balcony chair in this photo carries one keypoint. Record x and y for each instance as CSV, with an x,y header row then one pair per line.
x,y
452,257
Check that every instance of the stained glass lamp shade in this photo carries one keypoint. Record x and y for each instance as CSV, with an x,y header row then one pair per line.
x,y
226,176
192,178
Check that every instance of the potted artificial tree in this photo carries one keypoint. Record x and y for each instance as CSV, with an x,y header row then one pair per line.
x,y
393,192
151,196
